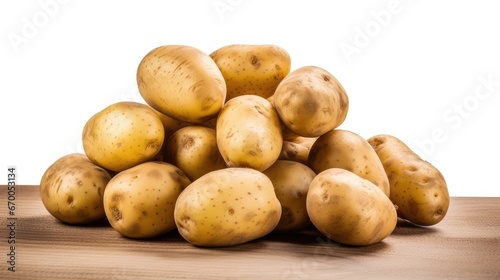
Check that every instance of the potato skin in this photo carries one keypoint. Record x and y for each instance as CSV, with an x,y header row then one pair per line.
x,y
349,209
227,207
72,189
297,149
139,202
345,149
291,182
123,135
311,101
182,82
249,133
417,187
252,69
193,149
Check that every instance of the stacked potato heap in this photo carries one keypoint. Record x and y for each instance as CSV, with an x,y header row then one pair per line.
x,y
232,146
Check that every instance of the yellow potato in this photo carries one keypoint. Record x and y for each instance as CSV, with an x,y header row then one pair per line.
x,y
349,209
139,202
72,188
310,101
248,133
182,82
227,207
252,69
291,182
297,149
123,135
345,149
194,150
417,187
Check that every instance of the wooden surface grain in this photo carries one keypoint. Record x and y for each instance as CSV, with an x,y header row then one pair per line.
x,y
465,245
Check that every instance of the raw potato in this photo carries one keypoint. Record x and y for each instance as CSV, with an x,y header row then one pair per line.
x,y
291,182
249,133
345,149
417,188
181,82
194,150
227,207
252,69
123,135
310,101
297,149
349,209
72,189
139,202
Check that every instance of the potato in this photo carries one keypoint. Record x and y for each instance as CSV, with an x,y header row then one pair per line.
x,y
310,101
297,149
291,182
345,149
227,207
193,149
417,187
249,133
72,189
349,209
139,202
123,135
252,69
181,82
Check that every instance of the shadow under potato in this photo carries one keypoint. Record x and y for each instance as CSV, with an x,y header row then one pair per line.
x,y
404,227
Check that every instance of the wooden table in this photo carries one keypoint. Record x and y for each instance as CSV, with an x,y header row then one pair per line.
x,y
465,245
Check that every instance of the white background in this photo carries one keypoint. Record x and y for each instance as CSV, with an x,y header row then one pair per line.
x,y
413,69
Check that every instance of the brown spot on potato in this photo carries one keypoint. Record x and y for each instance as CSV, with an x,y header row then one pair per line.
x,y
286,216
116,197
116,213
187,141
70,200
154,174
255,61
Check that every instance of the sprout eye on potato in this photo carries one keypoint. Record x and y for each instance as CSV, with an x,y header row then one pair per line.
x,y
232,146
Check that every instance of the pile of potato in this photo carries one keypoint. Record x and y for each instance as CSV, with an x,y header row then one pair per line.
x,y
231,146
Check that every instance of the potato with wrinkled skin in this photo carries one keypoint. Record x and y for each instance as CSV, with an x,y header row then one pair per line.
x,y
123,135
181,82
72,189
345,149
252,69
193,149
311,101
139,202
227,207
417,187
291,182
248,133
349,209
